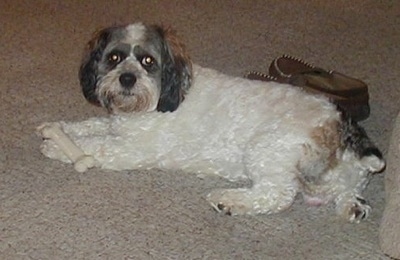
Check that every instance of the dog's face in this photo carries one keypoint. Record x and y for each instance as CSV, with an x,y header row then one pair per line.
x,y
135,68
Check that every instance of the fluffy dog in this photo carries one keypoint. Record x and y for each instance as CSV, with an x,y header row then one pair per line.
x,y
167,113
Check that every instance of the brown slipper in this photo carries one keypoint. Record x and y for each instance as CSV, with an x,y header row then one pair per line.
x,y
349,94
255,75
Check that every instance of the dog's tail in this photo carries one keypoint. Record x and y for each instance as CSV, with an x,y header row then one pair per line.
x,y
356,139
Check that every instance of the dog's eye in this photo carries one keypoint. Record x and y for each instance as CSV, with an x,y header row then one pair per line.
x,y
114,58
147,61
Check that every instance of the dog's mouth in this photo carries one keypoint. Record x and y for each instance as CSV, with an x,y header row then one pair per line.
x,y
117,97
126,93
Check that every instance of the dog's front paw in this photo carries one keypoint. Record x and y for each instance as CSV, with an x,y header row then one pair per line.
x,y
50,149
231,201
354,210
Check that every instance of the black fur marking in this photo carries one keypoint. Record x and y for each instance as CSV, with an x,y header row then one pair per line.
x,y
171,93
372,151
89,68
355,137
175,74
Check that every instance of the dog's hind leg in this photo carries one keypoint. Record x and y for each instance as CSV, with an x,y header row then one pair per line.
x,y
345,176
274,185
259,199
359,161
353,175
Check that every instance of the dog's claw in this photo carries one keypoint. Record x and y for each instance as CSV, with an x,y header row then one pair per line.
x,y
361,200
221,208
226,210
360,210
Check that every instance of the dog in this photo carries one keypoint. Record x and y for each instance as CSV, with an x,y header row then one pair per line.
x,y
168,113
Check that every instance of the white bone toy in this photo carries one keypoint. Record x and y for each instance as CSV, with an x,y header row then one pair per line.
x,y
53,131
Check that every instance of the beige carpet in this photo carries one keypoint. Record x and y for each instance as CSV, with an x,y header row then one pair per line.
x,y
49,211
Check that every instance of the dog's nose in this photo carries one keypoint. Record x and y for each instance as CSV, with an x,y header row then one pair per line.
x,y
127,80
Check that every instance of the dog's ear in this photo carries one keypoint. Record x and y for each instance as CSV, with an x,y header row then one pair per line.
x,y
89,67
176,75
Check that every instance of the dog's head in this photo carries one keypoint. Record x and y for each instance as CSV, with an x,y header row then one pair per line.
x,y
136,68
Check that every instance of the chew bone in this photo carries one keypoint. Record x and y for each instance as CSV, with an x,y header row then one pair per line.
x,y
53,131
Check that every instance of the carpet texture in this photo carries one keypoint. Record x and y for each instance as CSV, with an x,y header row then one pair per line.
x,y
49,211
389,232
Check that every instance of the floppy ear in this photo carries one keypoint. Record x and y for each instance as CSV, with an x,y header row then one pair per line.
x,y
176,75
89,67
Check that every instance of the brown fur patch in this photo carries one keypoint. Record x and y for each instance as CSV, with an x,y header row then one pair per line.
x,y
319,156
177,47
328,138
